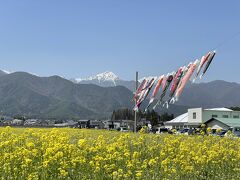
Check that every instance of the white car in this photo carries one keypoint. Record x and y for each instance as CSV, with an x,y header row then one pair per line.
x,y
124,129
162,130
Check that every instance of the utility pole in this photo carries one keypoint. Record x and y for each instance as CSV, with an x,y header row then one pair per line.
x,y
135,115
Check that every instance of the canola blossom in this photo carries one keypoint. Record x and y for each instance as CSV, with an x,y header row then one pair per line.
x,y
99,154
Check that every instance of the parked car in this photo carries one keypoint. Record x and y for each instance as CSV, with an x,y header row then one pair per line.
x,y
162,130
236,131
183,131
124,129
191,131
222,133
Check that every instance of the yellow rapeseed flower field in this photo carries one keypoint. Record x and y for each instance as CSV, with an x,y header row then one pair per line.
x,y
99,154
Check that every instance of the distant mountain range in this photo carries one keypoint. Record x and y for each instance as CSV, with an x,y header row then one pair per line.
x,y
55,97
212,94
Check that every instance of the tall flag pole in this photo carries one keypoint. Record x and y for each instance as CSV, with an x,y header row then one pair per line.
x,y
135,115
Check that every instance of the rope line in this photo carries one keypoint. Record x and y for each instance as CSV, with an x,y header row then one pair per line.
x,y
227,40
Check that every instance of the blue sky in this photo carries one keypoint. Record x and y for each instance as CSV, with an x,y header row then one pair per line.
x,y
81,38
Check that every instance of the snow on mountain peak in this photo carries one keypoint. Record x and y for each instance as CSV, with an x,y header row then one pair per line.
x,y
102,77
6,72
106,76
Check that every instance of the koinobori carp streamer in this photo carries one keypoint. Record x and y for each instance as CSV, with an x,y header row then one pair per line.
x,y
167,83
140,89
185,79
144,93
140,96
210,59
202,63
175,81
155,91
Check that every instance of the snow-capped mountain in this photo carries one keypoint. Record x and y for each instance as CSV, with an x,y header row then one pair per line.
x,y
105,79
102,77
4,72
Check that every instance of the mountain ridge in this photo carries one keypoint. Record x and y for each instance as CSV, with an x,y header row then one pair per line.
x,y
56,97
23,92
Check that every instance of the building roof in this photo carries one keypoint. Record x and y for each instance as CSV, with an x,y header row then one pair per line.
x,y
184,117
17,120
231,122
83,120
219,109
180,119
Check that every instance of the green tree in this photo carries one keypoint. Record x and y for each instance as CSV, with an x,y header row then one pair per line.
x,y
20,117
166,117
151,116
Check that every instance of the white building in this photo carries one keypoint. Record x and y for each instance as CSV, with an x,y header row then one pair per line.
x,y
17,122
214,118
117,124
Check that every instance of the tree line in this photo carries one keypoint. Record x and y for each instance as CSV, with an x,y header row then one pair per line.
x,y
152,116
